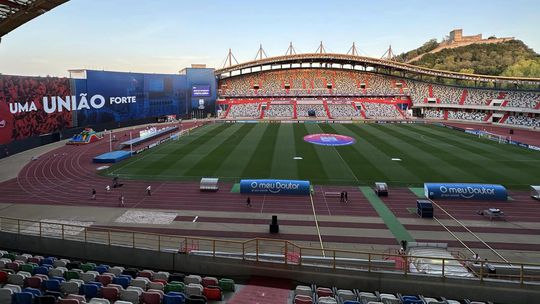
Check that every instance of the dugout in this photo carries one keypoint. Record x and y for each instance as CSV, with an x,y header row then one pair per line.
x,y
424,208
209,184
381,189
535,192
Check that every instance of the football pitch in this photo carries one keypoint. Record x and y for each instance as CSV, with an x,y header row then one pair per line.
x,y
399,154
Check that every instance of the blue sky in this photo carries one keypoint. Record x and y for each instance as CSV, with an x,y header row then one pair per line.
x,y
163,36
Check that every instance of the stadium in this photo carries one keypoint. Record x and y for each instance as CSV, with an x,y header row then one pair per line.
x,y
314,177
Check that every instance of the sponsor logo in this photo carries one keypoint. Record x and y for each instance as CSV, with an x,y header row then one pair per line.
x,y
273,187
70,103
465,191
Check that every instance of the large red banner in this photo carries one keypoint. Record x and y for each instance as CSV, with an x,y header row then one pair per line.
x,y
29,91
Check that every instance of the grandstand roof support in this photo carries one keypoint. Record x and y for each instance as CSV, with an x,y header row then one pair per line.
x,y
229,59
321,49
353,51
290,50
389,54
260,53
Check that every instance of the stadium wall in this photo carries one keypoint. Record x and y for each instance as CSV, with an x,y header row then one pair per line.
x,y
488,290
40,110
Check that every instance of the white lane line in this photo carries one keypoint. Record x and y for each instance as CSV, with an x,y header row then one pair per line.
x,y
317,225
195,218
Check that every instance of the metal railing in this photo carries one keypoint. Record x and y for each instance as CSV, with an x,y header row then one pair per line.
x,y
266,250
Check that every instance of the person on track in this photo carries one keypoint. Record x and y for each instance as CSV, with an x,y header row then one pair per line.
x,y
93,197
121,201
248,202
149,190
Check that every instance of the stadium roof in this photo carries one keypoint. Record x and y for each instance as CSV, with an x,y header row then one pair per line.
x,y
14,13
343,60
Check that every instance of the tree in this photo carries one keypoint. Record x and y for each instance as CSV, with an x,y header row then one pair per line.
x,y
524,68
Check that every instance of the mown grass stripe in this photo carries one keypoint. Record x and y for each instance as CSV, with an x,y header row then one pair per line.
x,y
209,164
260,164
311,167
388,217
283,164
419,192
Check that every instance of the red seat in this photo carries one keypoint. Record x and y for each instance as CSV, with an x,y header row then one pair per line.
x,y
110,293
324,292
3,277
164,282
209,281
13,266
104,279
34,282
35,260
151,297
212,293
303,299
146,274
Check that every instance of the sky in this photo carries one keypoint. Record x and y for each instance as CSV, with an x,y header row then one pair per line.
x,y
164,36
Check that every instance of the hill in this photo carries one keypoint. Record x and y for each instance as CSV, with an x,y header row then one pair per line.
x,y
509,58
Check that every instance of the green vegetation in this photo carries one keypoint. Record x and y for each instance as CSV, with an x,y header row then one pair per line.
x,y
426,47
510,58
428,154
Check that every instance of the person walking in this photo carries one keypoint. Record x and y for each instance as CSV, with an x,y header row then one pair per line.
x,y
346,196
108,189
149,190
121,201
248,202
93,197
342,197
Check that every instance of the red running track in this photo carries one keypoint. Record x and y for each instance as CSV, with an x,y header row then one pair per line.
x,y
530,137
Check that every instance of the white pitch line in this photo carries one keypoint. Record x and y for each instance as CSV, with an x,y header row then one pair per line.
x,y
317,225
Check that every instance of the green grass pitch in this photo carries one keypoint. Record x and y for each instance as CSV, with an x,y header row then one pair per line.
x,y
428,153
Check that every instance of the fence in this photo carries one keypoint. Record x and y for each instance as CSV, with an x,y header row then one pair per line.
x,y
274,251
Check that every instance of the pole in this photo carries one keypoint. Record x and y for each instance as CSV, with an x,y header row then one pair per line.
x,y
110,141
130,143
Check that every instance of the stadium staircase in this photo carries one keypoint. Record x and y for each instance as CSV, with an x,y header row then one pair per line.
x,y
463,97
227,111
488,117
262,111
445,114
504,118
430,88
326,109
504,103
537,106
295,114
263,291
400,111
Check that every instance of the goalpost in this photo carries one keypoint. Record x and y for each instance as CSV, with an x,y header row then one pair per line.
x,y
494,137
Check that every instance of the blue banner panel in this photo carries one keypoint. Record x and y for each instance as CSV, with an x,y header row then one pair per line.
x,y
466,191
274,186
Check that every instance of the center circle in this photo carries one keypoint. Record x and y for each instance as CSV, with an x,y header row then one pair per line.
x,y
326,139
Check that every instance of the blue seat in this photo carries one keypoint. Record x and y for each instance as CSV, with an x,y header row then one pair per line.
x,y
36,292
102,268
48,261
41,270
52,285
98,284
59,279
22,298
122,281
178,298
90,290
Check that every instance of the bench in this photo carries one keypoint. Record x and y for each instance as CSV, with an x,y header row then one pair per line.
x,y
332,194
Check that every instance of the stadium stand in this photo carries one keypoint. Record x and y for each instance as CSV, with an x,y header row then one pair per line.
x,y
522,99
246,110
279,110
466,115
343,110
381,110
433,114
302,110
523,120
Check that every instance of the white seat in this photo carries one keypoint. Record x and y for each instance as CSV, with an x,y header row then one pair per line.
x,y
122,302
137,289
16,279
13,288
371,302
70,287
88,277
346,294
303,290
155,285
25,274
57,272
130,295
117,271
139,282
326,300
5,295
161,275
192,279
60,263
21,258
193,289
99,301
